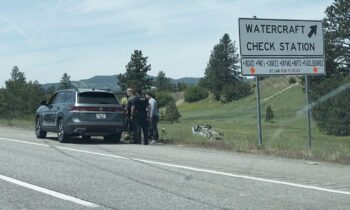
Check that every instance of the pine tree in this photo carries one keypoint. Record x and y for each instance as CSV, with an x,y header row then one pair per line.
x,y
15,94
333,115
19,98
136,73
223,68
181,86
162,82
17,75
65,82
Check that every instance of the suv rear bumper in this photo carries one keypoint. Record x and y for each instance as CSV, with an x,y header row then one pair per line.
x,y
94,128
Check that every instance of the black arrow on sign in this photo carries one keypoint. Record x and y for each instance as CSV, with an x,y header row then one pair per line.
x,y
312,31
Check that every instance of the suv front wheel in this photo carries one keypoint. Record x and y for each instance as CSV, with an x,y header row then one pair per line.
x,y
38,129
61,135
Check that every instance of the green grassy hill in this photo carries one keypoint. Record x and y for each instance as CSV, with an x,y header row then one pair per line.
x,y
286,136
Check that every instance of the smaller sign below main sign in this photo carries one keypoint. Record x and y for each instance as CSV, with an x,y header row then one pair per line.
x,y
282,66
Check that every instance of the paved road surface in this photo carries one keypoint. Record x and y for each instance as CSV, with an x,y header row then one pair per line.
x,y
43,174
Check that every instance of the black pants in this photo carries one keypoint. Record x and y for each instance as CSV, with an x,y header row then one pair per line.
x,y
131,125
153,127
140,124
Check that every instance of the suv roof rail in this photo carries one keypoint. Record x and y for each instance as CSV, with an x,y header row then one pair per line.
x,y
106,89
93,89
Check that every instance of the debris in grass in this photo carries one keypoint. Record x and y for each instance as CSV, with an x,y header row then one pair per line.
x,y
207,132
311,163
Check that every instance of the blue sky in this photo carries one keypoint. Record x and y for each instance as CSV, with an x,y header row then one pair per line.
x,y
84,38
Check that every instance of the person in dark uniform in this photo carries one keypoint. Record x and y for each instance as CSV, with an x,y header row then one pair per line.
x,y
139,116
131,97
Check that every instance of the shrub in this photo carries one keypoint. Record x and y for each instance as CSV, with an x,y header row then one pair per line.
x,y
269,114
195,93
292,80
163,98
162,114
171,113
235,91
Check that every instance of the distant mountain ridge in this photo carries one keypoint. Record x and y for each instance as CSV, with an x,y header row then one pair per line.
x,y
110,82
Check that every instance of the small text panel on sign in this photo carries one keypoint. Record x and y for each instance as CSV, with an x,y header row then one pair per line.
x,y
282,66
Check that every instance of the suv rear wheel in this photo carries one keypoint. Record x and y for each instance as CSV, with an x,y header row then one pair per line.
x,y
38,129
113,138
61,135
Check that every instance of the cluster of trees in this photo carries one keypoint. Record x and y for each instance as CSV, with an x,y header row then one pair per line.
x,y
162,83
221,77
333,115
136,77
19,98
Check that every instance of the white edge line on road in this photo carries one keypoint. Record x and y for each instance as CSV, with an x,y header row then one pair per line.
x,y
49,192
93,153
245,177
26,142
192,168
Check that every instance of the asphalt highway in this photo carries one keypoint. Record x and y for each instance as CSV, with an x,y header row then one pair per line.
x,y
44,174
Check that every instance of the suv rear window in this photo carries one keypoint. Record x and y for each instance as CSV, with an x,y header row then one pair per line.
x,y
97,98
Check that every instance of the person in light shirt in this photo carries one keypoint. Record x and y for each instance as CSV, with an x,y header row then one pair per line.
x,y
153,115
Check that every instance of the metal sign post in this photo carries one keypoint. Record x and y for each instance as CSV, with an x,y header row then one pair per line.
x,y
258,110
308,110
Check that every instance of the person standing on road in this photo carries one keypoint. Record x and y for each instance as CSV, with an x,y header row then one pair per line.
x,y
153,116
139,115
131,97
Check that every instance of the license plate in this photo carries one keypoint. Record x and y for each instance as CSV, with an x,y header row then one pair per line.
x,y
100,116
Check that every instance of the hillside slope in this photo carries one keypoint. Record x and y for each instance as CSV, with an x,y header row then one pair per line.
x,y
287,135
110,82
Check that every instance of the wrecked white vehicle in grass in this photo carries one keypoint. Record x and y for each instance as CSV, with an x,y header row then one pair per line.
x,y
207,132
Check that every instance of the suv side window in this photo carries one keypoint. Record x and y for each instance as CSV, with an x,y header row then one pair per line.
x,y
69,98
53,98
59,98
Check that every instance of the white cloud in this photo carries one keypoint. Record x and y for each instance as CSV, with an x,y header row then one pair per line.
x,y
89,6
15,27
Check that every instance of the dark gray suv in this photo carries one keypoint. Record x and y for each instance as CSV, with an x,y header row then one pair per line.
x,y
80,112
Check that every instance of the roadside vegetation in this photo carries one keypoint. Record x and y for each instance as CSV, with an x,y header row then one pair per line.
x,y
285,136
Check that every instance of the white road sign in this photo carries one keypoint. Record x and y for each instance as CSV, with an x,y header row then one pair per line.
x,y
274,46
259,37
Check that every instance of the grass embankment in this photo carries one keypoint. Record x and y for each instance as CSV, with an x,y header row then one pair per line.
x,y
25,123
286,136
